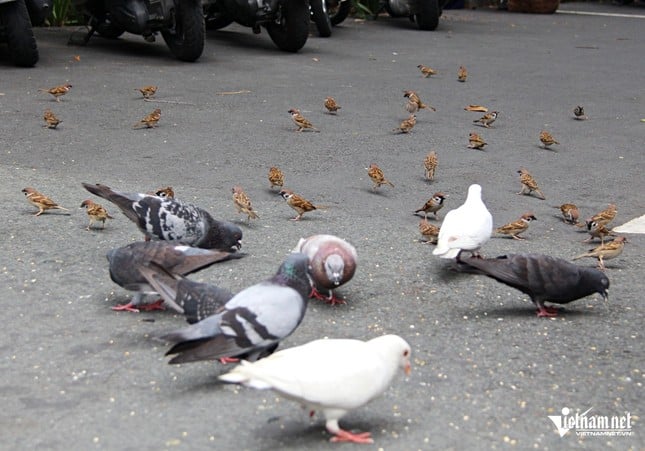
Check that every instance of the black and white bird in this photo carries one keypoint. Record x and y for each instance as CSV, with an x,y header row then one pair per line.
x,y
542,277
252,324
333,376
333,263
172,220
126,265
465,228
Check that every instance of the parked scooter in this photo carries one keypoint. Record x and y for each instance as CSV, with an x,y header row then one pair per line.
x,y
338,10
425,13
180,22
16,19
286,21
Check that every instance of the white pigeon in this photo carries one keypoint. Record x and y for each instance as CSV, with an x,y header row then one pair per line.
x,y
465,228
330,375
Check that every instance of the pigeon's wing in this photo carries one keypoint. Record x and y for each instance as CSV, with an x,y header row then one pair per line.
x,y
171,220
163,283
200,300
509,269
186,259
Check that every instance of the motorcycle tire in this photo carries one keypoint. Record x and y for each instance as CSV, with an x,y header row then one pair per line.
x,y
290,31
186,38
426,14
338,10
20,36
320,17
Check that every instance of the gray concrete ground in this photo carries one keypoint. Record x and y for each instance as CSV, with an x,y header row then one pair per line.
x,y
487,372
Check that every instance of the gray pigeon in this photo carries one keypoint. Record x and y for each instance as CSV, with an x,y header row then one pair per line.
x,y
542,277
198,300
126,264
172,220
252,324
333,263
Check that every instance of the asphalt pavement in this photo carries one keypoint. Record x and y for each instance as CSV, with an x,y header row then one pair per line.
x,y
487,373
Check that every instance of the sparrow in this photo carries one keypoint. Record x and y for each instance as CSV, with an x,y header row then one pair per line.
x,y
478,108
377,176
414,103
96,213
165,193
150,121
147,91
433,205
513,229
331,105
579,113
462,74
605,216
406,125
41,201
430,165
300,121
475,141
243,203
429,231
570,213
51,121
298,203
606,251
58,91
547,139
529,184
597,230
276,177
487,119
426,71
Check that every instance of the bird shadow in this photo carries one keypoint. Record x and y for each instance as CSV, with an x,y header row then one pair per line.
x,y
550,149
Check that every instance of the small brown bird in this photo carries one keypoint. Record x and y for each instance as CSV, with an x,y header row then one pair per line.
x,y
51,121
433,205
147,91
243,203
298,203
475,141
606,251
529,184
579,113
407,124
597,230
414,103
487,119
430,164
96,213
165,193
513,229
429,231
426,71
331,105
41,201
300,121
478,108
58,91
462,74
150,121
377,176
570,213
547,139
605,216
276,177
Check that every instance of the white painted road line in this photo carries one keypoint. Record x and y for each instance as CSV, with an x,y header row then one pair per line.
x,y
586,13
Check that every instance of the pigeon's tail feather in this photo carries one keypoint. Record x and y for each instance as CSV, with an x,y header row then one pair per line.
x,y
446,252
121,200
243,374
211,348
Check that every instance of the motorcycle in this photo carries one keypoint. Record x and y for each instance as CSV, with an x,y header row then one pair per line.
x,y
180,22
286,21
425,13
16,19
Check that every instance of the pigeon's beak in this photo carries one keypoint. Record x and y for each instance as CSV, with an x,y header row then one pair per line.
x,y
238,245
605,297
407,369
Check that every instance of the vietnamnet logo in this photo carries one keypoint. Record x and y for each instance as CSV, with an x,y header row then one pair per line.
x,y
592,425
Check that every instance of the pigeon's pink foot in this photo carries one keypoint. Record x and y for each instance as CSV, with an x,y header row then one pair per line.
x,y
157,305
547,312
225,360
129,307
331,299
346,436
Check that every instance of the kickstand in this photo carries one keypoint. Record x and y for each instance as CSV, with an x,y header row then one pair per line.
x,y
81,37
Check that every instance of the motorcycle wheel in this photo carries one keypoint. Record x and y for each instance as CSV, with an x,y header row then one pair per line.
x,y
427,14
290,30
186,38
20,37
320,17
338,10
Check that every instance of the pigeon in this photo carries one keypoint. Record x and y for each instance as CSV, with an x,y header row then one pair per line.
x,y
542,277
333,263
172,220
334,376
126,263
251,324
198,300
465,228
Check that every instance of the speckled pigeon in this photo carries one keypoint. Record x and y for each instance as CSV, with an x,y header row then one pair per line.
x,y
172,220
